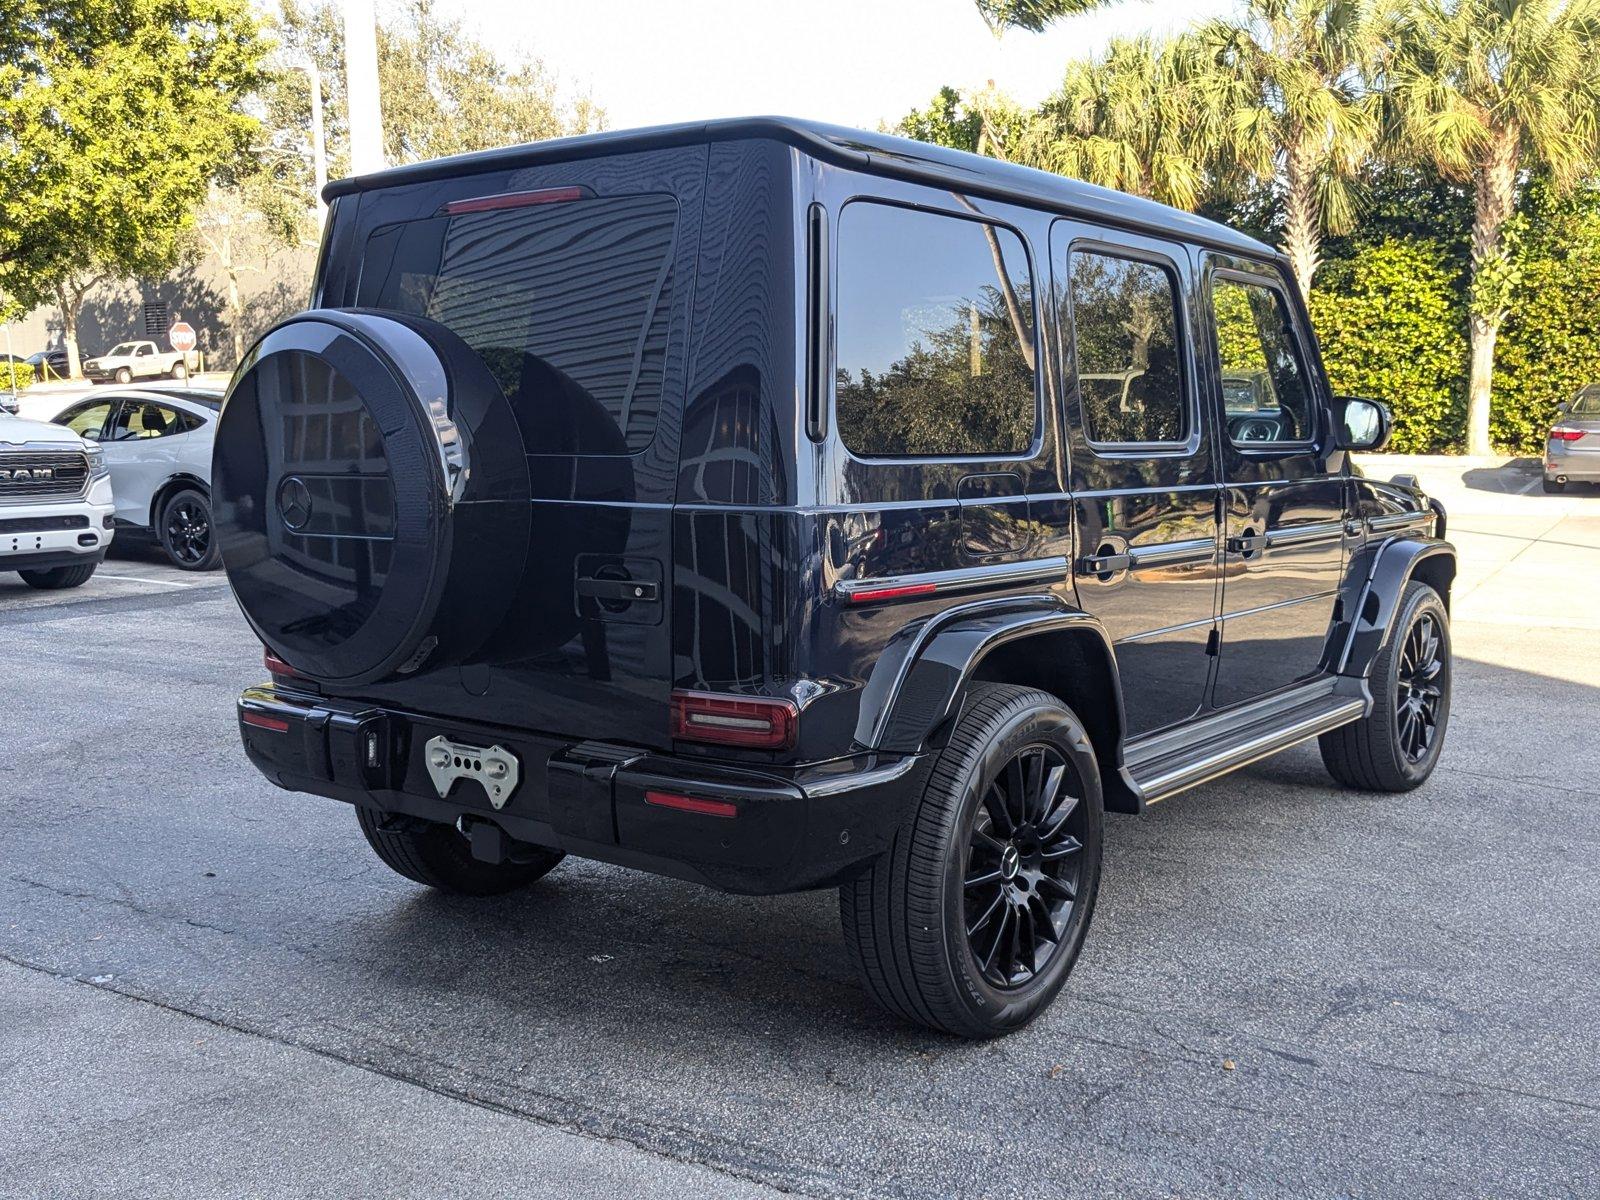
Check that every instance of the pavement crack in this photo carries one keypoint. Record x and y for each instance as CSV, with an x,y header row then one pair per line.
x,y
130,905
573,1127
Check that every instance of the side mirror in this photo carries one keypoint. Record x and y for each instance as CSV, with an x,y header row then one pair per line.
x,y
90,435
1361,424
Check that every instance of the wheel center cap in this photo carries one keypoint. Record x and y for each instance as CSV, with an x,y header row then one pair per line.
x,y
1010,863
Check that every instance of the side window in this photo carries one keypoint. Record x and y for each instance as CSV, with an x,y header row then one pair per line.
x,y
1129,359
935,343
1264,385
86,420
136,421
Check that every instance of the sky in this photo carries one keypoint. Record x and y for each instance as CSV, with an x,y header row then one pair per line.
x,y
854,62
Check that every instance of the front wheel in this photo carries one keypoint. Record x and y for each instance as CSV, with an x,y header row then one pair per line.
x,y
440,856
1396,746
973,918
52,579
124,375
186,533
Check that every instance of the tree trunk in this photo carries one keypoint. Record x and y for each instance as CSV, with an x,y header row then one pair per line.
x,y
1484,332
1494,198
1302,216
68,304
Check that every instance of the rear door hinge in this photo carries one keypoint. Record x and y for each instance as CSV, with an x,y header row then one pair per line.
x,y
1213,642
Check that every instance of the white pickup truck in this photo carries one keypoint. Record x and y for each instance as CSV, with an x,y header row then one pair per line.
x,y
56,509
128,361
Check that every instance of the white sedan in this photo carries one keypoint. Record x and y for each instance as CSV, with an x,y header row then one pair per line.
x,y
157,445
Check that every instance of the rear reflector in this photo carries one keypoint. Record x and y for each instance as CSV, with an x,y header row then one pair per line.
x,y
734,720
516,200
693,804
262,721
1560,434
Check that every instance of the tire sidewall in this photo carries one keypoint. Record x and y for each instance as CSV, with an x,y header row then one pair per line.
x,y
1003,1010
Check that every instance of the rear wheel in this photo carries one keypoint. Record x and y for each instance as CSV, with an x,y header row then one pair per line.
x,y
441,857
55,578
972,920
180,370
185,531
1397,745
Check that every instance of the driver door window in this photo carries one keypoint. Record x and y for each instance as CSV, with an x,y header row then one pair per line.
x,y
86,420
1264,384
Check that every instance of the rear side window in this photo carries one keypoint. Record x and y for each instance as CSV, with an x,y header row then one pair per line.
x,y
1264,385
935,342
1129,364
567,304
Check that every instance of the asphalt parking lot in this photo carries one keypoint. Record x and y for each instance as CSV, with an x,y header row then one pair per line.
x,y
211,987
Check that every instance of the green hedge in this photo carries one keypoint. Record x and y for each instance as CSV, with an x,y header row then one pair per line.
x,y
15,376
1391,325
1549,345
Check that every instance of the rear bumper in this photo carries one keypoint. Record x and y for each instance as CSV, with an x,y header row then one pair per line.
x,y
1563,462
789,829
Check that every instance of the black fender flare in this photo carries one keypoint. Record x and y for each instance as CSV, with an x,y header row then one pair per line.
x,y
174,483
922,675
1393,564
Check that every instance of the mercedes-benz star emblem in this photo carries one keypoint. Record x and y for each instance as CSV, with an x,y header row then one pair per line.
x,y
294,502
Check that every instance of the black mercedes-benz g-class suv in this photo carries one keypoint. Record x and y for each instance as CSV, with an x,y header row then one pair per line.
x,y
781,506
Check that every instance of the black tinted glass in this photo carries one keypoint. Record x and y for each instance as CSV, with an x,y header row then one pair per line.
x,y
1130,376
935,336
567,304
1263,383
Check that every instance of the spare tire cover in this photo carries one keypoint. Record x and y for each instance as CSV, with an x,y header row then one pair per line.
x,y
370,495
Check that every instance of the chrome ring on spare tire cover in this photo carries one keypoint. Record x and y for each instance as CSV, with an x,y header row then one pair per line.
x,y
370,495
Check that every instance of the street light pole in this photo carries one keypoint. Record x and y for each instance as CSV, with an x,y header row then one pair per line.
x,y
361,86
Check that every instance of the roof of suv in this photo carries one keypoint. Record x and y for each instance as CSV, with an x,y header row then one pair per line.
x,y
875,153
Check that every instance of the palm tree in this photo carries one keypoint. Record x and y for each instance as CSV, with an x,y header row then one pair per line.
x,y
1032,15
1125,120
1283,97
1484,90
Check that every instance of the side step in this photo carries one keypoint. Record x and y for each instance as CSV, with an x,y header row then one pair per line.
x,y
1166,763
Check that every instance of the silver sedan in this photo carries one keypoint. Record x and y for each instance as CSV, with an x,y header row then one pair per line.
x,y
1573,453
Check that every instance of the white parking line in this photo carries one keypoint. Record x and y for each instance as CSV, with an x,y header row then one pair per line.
x,y
143,579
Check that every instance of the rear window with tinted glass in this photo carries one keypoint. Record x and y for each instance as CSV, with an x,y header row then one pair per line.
x,y
567,304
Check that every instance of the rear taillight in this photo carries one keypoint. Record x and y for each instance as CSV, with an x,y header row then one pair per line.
x,y
1562,434
734,720
276,665
262,721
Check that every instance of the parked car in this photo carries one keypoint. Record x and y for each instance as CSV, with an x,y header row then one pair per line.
x,y
157,445
1572,454
55,504
721,500
50,364
128,361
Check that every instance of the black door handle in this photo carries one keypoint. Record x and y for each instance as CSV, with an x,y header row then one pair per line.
x,y
1104,564
628,590
1247,543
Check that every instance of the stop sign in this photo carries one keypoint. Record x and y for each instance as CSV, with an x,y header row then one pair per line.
x,y
181,337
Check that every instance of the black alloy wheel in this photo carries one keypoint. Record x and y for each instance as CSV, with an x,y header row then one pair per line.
x,y
971,920
1024,865
185,532
1396,746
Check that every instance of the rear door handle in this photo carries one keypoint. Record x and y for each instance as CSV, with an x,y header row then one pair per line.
x,y
1247,543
